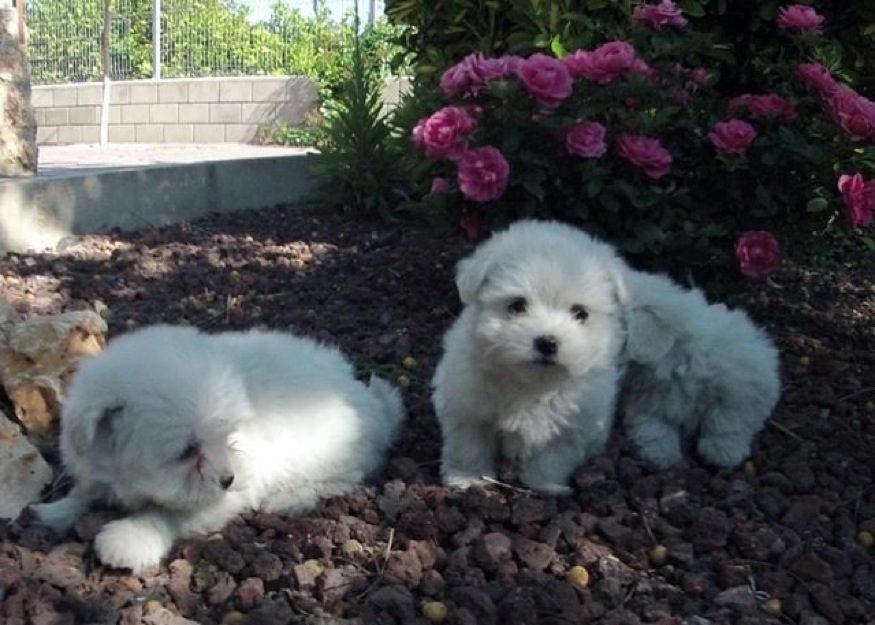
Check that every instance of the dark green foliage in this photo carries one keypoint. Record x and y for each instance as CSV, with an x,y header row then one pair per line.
x,y
358,162
786,182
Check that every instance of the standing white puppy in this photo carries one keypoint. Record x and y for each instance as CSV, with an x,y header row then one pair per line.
x,y
185,430
697,372
530,368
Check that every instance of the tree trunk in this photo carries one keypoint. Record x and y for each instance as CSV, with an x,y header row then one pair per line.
x,y
18,150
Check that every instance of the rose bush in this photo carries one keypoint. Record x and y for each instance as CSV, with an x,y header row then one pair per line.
x,y
635,139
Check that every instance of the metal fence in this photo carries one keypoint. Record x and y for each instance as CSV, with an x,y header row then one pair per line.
x,y
183,38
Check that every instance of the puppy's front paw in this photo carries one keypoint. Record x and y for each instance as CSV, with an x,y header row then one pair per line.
x,y
134,543
726,452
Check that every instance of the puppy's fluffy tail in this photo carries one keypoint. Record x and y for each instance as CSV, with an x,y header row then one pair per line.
x,y
393,406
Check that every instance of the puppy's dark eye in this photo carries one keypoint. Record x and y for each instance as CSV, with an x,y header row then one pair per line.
x,y
190,452
579,313
517,306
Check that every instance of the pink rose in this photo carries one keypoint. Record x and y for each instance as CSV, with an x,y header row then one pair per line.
x,y
859,196
473,73
699,76
546,78
439,185
483,174
455,80
602,65
758,253
640,67
733,136
416,133
760,106
817,76
586,139
799,17
854,113
445,133
646,153
658,16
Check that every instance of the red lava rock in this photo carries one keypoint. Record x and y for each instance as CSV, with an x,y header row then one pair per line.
x,y
738,598
532,554
403,567
318,548
614,577
491,550
222,589
527,510
694,583
730,574
249,594
450,519
802,512
810,567
801,474
425,551
472,532
771,501
808,492
179,586
418,522
130,615
589,552
710,530
335,584
61,571
220,553
476,601
267,566
757,543
396,601
432,583
305,576
270,612
825,602
518,607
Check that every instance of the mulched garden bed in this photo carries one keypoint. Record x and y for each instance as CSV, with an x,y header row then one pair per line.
x,y
784,539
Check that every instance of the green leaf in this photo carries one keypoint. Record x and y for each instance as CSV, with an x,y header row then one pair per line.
x,y
692,8
817,205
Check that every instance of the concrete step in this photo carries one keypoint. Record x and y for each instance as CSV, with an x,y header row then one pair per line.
x,y
86,189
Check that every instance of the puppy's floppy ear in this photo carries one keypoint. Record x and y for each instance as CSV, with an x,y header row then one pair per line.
x,y
648,338
471,274
91,426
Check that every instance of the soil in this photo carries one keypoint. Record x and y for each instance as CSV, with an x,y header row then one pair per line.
x,y
786,538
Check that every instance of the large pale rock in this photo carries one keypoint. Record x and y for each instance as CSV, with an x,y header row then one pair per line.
x,y
38,356
18,149
23,471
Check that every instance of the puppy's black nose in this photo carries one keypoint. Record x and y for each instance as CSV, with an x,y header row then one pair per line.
x,y
226,480
547,345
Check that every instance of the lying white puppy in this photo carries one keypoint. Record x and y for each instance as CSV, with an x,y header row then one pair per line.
x,y
185,430
696,372
530,368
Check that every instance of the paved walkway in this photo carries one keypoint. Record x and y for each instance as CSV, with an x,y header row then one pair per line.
x,y
76,160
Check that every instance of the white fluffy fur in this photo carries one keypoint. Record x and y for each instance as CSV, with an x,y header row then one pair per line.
x,y
696,372
185,430
495,394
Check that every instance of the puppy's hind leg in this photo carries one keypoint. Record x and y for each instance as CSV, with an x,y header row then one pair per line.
x,y
725,438
469,453
657,441
549,469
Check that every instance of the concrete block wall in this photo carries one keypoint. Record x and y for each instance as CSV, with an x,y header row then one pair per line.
x,y
186,110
